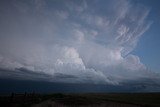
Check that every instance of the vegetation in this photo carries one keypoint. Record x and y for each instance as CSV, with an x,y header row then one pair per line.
x,y
87,99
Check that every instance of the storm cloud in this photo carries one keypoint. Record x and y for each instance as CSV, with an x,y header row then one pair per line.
x,y
73,41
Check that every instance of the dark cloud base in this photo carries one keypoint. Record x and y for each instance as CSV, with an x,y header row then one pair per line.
x,y
22,80
20,86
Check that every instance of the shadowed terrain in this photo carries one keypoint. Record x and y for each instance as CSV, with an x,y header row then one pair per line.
x,y
82,100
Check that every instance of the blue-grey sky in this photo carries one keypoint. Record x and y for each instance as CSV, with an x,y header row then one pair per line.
x,y
80,41
148,45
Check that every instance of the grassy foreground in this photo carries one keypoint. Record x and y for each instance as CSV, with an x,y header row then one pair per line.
x,y
87,99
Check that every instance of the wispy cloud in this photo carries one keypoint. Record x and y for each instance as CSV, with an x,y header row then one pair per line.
x,y
74,39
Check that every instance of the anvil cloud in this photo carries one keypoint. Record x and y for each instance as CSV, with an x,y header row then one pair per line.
x,y
72,41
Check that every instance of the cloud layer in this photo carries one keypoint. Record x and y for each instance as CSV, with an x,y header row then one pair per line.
x,y
73,41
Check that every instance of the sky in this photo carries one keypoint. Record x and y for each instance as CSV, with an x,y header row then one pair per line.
x,y
80,41
146,47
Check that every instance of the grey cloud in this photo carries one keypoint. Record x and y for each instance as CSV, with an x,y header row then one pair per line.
x,y
23,74
72,41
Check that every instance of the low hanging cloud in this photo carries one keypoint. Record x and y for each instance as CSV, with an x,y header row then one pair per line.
x,y
72,41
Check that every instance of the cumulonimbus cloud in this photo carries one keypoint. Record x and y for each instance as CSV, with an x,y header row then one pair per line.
x,y
73,41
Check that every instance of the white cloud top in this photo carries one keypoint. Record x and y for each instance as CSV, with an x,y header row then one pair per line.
x,y
83,40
